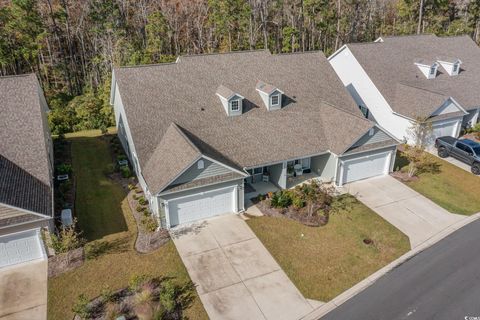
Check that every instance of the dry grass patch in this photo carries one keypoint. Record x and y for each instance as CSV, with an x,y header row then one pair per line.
x,y
452,188
325,261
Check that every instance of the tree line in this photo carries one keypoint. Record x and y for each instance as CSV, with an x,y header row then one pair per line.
x,y
72,45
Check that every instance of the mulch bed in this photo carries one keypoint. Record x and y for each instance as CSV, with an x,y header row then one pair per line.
x,y
403,176
145,242
300,215
61,263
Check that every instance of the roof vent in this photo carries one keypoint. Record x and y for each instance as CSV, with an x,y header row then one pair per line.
x,y
271,95
428,68
232,102
451,65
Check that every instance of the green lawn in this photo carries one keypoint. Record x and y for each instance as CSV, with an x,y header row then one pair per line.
x,y
327,260
454,189
104,213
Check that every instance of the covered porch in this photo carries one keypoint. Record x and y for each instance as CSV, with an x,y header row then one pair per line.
x,y
290,173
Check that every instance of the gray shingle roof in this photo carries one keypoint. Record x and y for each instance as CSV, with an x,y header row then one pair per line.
x,y
172,155
390,65
318,113
25,178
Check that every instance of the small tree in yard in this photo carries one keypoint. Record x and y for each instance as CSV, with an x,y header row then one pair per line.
x,y
421,133
68,239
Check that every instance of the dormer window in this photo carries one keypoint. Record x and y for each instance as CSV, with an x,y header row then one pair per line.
x,y
231,101
451,65
200,164
234,105
274,100
455,67
428,68
271,95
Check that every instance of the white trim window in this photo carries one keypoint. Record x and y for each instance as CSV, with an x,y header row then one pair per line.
x,y
275,100
200,164
235,105
433,70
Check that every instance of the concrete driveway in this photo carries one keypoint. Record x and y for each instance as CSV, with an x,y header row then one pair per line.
x,y
235,275
413,214
23,291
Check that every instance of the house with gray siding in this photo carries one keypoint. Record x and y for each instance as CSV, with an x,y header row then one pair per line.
x,y
202,132
26,194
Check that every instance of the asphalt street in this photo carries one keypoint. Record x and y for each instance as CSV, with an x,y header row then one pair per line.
x,y
441,283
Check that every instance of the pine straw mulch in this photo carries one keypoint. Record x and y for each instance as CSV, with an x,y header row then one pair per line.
x,y
145,242
403,176
64,262
300,215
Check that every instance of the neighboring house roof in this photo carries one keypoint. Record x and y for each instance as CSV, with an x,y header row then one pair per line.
x,y
390,64
25,174
318,114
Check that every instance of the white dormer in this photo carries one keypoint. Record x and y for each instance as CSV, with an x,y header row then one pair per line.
x,y
271,95
428,68
452,66
232,102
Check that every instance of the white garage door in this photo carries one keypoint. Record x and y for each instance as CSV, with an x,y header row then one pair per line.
x,y
201,206
444,129
365,167
20,247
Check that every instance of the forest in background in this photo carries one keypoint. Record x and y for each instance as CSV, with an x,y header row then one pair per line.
x,y
72,45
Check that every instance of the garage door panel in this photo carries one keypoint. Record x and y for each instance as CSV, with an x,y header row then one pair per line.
x,y
443,129
201,206
365,167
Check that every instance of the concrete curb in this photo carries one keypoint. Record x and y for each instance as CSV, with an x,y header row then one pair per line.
x,y
365,283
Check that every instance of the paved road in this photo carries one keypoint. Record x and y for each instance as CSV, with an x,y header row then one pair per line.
x,y
441,283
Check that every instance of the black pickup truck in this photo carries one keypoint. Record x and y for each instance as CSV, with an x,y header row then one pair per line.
x,y
465,150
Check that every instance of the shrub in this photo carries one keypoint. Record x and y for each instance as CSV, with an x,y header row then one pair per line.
x,y
142,201
81,307
145,296
149,223
131,186
139,208
64,168
67,239
135,197
298,202
125,171
281,199
137,281
168,296
121,157
107,295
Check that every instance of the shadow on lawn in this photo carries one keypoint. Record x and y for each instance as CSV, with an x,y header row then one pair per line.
x,y
98,202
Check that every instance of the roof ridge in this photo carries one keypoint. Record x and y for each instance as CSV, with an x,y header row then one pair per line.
x,y
195,55
23,75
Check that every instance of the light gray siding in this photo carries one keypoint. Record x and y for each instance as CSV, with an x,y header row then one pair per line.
x,y
210,169
278,175
324,165
378,136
